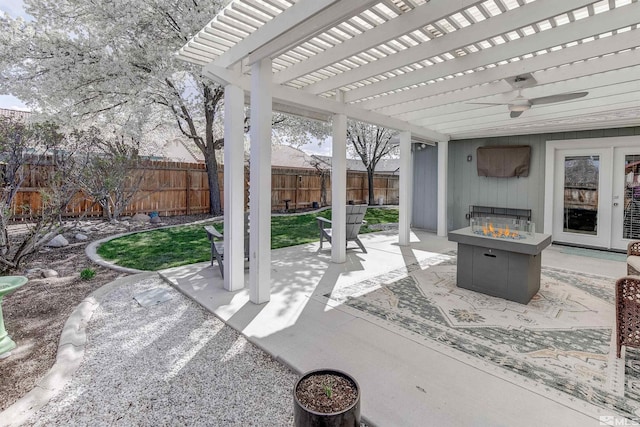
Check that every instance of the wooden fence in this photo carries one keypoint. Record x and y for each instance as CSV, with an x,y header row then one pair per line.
x,y
173,188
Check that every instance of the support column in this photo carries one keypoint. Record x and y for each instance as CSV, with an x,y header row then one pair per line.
x,y
233,188
443,168
339,187
260,183
406,179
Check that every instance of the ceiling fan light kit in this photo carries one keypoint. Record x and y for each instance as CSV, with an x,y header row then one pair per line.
x,y
519,107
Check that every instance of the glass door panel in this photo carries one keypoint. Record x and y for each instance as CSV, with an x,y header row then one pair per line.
x,y
581,179
582,194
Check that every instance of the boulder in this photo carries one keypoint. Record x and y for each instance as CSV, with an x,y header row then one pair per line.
x,y
155,220
140,218
81,236
47,273
58,242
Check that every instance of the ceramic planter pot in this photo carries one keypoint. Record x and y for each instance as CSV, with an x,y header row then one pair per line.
x,y
304,416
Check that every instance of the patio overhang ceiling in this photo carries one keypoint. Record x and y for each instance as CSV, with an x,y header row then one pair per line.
x,y
441,69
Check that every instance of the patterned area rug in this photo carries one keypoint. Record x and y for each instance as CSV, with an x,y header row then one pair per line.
x,y
559,345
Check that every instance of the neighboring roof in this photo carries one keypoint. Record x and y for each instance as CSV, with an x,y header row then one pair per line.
x,y
178,150
439,69
383,166
16,114
291,157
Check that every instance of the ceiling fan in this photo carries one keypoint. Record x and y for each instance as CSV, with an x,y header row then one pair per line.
x,y
519,105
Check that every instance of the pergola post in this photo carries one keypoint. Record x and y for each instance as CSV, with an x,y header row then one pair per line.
x,y
339,187
234,188
443,167
260,183
406,180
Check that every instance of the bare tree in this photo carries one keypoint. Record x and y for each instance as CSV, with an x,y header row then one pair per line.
x,y
34,146
113,175
371,143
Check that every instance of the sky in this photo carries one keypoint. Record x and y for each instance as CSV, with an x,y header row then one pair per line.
x,y
15,8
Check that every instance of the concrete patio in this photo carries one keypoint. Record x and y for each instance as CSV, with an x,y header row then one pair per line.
x,y
403,381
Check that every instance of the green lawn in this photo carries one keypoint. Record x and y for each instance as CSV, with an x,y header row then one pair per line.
x,y
175,246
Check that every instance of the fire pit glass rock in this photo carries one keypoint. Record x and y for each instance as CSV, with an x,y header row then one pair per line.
x,y
503,228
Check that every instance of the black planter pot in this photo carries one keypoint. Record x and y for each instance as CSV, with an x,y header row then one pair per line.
x,y
305,417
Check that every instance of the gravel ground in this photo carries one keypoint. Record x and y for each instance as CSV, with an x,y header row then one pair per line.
x,y
169,364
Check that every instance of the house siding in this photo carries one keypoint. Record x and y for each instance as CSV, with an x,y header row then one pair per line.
x,y
425,189
466,188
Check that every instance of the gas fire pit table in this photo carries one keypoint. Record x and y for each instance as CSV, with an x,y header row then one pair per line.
x,y
503,267
7,284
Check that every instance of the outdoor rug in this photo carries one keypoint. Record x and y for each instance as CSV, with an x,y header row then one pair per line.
x,y
560,345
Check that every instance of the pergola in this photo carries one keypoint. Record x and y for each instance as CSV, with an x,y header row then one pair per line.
x,y
434,70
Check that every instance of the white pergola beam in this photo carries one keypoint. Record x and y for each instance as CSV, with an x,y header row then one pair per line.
x,y
293,97
225,76
327,18
403,24
281,24
576,77
313,105
511,20
594,25
401,102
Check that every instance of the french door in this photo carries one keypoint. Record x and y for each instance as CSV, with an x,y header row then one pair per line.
x,y
626,197
596,200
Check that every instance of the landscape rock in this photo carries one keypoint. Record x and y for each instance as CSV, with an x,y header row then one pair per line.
x,y
155,220
58,242
32,271
49,273
140,218
81,236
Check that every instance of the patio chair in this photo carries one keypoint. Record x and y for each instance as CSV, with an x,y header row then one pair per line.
x,y
355,220
217,244
633,259
627,313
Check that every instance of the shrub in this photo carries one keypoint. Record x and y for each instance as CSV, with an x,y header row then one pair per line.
x,y
87,274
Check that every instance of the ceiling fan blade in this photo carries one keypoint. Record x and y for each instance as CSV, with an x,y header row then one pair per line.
x,y
557,98
515,114
488,103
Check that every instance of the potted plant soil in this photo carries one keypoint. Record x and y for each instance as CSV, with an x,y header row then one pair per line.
x,y
326,397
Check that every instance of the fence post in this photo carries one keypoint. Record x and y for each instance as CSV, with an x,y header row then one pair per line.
x,y
188,183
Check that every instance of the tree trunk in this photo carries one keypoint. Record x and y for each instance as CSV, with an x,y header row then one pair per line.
x,y
215,205
370,181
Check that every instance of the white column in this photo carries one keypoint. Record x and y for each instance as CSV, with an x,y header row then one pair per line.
x,y
233,188
443,167
260,183
406,179
339,187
